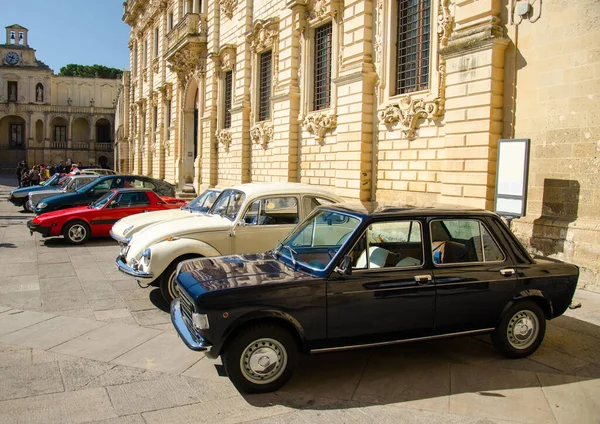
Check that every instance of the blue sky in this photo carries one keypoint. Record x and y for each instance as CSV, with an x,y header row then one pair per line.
x,y
71,31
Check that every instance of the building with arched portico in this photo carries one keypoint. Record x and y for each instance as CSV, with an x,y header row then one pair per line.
x,y
46,118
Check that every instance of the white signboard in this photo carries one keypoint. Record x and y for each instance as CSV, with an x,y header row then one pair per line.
x,y
511,177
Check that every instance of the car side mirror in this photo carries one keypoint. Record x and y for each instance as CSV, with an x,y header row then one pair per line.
x,y
345,267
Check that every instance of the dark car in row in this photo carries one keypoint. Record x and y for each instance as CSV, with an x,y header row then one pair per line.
x,y
100,186
350,277
19,196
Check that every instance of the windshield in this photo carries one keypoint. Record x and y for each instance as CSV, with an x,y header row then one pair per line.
x,y
228,204
314,243
51,180
65,184
203,202
99,204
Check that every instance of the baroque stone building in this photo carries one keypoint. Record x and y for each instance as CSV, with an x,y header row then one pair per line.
x,y
388,100
46,118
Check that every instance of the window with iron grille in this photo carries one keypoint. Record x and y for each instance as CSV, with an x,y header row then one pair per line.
x,y
322,82
264,109
412,55
156,33
60,133
169,105
228,94
145,53
155,117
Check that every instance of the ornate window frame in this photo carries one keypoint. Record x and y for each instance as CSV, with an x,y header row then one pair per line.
x,y
264,37
406,110
226,61
316,13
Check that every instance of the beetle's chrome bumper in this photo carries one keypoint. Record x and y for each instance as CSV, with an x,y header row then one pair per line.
x,y
194,342
123,240
126,269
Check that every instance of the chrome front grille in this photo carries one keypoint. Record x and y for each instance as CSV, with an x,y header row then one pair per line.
x,y
187,308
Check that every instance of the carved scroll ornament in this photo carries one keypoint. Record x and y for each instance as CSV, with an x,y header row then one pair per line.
x,y
228,7
184,64
319,123
263,37
224,137
262,133
407,112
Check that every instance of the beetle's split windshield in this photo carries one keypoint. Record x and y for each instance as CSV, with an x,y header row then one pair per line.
x,y
203,202
228,204
316,241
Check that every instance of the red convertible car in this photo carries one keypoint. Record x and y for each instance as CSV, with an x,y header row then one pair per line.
x,y
95,220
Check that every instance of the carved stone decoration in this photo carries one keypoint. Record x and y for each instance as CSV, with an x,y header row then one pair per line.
x,y
320,9
407,113
378,45
319,123
262,133
224,137
228,7
445,21
155,65
263,36
227,58
184,63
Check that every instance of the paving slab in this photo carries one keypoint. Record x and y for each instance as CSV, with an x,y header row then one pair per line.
x,y
54,269
59,284
205,368
572,399
14,356
31,300
165,353
50,333
16,320
107,343
68,407
4,309
64,301
30,380
484,392
20,284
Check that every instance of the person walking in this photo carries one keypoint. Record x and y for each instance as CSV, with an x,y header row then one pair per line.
x,y
19,173
34,175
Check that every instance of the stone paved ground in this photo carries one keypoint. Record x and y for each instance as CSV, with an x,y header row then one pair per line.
x,y
79,343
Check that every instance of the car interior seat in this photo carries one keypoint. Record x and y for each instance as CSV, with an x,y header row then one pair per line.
x,y
377,258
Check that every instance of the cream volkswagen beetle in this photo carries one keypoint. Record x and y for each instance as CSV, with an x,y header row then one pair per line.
x,y
244,219
125,228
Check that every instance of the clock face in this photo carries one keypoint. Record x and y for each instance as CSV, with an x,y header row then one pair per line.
x,y
12,58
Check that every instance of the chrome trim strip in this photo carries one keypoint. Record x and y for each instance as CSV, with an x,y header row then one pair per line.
x,y
440,336
126,269
118,238
184,332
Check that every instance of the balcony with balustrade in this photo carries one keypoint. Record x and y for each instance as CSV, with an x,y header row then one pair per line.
x,y
189,33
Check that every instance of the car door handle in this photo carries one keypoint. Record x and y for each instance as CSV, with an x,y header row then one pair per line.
x,y
507,272
423,279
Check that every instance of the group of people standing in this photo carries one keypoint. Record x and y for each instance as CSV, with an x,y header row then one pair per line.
x,y
39,173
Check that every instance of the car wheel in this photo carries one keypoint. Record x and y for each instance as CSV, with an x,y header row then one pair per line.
x,y
261,358
76,232
521,330
167,283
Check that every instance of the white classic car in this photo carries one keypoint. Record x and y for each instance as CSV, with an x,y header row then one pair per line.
x,y
244,219
125,228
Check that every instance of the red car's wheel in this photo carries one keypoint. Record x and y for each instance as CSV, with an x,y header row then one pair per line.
x,y
76,232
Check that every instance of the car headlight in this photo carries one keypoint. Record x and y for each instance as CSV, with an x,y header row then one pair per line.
x,y
127,230
41,205
200,321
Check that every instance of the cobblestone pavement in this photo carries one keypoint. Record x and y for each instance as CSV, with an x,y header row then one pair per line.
x,y
79,343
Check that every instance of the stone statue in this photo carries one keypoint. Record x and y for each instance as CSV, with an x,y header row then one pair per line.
x,y
39,93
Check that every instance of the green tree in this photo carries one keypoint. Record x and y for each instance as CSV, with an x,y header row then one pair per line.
x,y
89,71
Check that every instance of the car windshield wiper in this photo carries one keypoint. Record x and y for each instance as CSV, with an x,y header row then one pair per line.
x,y
292,253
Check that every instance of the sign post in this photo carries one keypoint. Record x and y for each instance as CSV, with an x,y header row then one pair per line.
x,y
512,172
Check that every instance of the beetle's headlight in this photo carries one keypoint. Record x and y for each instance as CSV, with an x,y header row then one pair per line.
x,y
41,205
200,321
127,230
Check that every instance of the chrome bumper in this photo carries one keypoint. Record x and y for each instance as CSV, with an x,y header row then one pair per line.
x,y
190,340
126,269
122,240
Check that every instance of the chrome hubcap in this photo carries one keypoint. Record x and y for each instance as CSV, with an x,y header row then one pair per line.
x,y
263,361
173,286
77,233
523,329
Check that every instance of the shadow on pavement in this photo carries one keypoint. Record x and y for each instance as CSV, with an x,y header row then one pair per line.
x,y
158,300
94,242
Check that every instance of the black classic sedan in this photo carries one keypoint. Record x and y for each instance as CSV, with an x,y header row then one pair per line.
x,y
350,277
98,188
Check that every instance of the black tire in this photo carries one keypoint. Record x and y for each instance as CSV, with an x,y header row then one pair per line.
x,y
278,349
166,281
76,232
521,330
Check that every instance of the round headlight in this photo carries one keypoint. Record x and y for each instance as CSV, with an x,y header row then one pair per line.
x,y
127,230
41,205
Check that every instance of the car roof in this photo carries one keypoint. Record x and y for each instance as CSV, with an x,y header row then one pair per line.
x,y
84,176
375,209
264,188
130,189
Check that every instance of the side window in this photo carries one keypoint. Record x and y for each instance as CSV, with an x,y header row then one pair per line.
x,y
464,240
273,211
311,202
118,183
132,199
150,185
102,187
392,244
